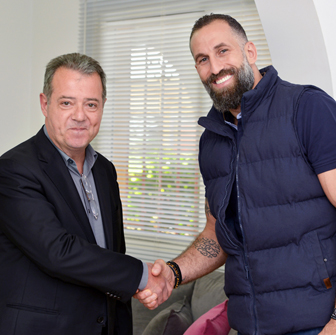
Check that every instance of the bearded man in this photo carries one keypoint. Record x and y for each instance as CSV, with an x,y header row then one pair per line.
x,y
268,161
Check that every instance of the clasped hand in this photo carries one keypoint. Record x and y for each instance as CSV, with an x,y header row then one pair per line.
x,y
159,286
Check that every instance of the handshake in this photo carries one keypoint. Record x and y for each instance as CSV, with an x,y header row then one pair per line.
x,y
161,281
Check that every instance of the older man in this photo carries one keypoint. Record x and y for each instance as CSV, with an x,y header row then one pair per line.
x,y
62,264
268,161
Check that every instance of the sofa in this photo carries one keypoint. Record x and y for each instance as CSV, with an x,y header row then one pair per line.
x,y
186,304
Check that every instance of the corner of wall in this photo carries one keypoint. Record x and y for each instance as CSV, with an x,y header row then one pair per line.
x,y
296,41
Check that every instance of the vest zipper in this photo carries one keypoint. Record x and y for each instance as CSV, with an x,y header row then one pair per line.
x,y
248,276
247,272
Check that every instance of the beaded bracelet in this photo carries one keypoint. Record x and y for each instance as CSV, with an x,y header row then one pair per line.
x,y
333,315
177,272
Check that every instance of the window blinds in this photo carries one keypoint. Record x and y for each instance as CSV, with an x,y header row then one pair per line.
x,y
149,128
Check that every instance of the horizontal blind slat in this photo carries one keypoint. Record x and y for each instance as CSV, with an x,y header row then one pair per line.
x,y
149,128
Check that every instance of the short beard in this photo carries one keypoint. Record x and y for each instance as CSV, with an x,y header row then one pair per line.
x,y
230,98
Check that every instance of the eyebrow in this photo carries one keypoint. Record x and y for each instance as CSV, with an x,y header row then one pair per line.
x,y
86,99
94,99
66,97
222,44
198,56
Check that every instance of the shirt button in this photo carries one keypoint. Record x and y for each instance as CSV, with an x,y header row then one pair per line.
x,y
100,319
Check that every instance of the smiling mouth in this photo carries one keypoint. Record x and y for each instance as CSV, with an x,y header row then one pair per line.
x,y
223,79
78,129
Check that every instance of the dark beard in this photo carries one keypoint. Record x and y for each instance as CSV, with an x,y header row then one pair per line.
x,y
230,98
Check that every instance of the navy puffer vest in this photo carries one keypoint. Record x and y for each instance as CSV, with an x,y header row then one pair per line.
x,y
282,277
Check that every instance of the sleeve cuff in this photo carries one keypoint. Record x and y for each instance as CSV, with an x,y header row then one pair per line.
x,y
144,279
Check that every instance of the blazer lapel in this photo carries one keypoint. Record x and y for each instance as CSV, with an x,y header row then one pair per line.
x,y
53,165
103,190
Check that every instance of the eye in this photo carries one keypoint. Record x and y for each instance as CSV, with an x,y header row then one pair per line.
x,y
223,51
92,106
202,60
65,103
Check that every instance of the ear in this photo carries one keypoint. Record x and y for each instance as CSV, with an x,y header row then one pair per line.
x,y
44,104
251,52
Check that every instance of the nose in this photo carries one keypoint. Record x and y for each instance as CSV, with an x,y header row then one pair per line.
x,y
215,65
79,113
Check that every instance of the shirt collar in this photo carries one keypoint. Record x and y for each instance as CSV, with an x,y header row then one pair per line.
x,y
229,119
90,157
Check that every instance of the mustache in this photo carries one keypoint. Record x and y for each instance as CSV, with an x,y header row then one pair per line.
x,y
222,73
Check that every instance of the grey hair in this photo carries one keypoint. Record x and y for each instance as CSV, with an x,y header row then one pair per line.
x,y
84,64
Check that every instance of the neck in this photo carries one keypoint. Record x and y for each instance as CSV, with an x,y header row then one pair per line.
x,y
257,75
80,167
79,160
235,114
78,156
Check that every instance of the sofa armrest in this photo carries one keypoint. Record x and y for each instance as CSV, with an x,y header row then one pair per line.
x,y
208,293
173,320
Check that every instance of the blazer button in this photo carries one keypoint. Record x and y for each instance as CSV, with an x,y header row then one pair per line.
x,y
101,319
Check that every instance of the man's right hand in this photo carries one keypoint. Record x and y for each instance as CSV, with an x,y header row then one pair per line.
x,y
159,286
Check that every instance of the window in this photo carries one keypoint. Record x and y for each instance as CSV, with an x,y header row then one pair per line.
x,y
149,128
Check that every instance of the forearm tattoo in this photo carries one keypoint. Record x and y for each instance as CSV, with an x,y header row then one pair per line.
x,y
207,247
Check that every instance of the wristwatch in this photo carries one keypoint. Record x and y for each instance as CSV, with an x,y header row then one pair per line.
x,y
333,315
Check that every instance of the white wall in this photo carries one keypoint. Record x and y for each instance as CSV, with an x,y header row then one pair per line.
x,y
326,10
300,34
16,67
31,33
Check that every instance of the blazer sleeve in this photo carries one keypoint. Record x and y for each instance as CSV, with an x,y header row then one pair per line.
x,y
51,237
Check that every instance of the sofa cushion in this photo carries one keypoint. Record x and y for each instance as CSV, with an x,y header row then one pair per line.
x,y
213,322
208,293
174,320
